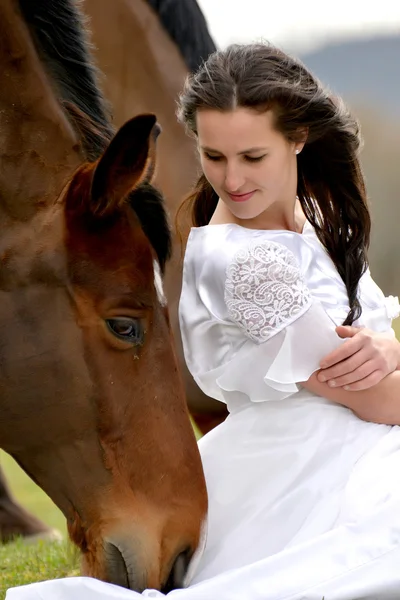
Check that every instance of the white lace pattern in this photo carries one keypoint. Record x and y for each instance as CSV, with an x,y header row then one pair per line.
x,y
264,290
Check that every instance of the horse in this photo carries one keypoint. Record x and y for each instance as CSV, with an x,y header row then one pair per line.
x,y
163,42
145,49
92,402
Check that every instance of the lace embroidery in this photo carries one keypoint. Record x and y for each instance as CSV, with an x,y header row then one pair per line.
x,y
264,289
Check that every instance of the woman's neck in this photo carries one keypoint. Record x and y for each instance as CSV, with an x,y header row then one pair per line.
x,y
267,220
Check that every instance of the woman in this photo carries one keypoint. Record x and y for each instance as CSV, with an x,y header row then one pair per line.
x,y
302,477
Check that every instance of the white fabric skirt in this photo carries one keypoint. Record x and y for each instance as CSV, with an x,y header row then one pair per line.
x,y
304,505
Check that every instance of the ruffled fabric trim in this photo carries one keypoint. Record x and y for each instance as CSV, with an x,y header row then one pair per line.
x,y
274,370
392,307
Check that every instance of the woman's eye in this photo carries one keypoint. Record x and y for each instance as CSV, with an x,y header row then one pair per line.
x,y
127,329
212,156
254,158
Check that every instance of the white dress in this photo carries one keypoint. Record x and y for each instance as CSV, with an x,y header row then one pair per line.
x,y
304,497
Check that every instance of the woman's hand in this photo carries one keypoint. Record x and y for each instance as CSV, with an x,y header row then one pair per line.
x,y
362,361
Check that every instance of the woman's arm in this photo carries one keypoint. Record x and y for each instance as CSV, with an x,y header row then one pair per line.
x,y
378,404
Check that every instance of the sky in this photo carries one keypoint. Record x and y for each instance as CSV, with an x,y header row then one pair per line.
x,y
299,24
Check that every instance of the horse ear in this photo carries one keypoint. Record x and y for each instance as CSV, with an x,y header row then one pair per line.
x,y
124,164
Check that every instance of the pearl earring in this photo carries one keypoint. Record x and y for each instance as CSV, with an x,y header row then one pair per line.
x,y
297,151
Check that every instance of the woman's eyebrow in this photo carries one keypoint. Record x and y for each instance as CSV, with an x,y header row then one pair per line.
x,y
254,149
247,151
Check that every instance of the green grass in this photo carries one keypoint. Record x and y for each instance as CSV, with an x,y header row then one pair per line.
x,y
21,564
197,432
31,496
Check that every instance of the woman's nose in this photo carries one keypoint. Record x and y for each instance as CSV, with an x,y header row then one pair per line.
x,y
234,179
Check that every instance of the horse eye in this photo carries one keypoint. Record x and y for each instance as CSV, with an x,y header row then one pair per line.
x,y
127,329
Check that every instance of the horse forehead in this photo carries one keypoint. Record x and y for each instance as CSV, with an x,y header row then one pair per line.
x,y
116,251
32,253
114,260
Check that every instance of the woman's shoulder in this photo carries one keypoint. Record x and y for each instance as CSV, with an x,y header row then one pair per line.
x,y
216,247
222,258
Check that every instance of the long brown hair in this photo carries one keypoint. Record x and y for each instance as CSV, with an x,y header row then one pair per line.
x,y
330,183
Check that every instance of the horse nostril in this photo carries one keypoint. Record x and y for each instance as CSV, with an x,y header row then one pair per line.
x,y
117,572
178,572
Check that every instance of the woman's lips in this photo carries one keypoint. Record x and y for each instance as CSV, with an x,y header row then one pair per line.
x,y
241,197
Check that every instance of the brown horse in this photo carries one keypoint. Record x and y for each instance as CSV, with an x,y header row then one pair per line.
x,y
91,401
145,49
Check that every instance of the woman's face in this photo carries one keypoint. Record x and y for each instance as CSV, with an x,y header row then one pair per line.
x,y
250,165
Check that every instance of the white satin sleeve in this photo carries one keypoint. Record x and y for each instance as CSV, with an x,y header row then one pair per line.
x,y
284,331
275,368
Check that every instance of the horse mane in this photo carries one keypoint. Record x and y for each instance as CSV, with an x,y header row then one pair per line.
x,y
58,31
59,34
148,204
187,26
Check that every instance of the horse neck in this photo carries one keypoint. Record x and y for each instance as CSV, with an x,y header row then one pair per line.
x,y
145,73
38,147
